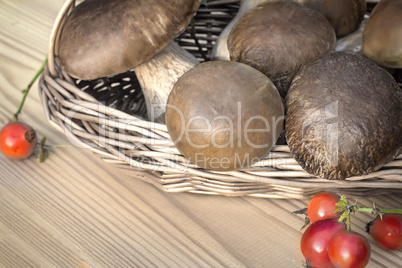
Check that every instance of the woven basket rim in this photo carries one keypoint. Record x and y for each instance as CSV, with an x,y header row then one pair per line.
x,y
278,175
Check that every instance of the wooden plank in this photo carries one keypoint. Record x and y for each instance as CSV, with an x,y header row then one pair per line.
x,y
74,210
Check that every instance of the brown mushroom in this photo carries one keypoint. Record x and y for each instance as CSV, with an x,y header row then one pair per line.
x,y
277,38
382,36
220,50
105,37
344,116
344,15
224,115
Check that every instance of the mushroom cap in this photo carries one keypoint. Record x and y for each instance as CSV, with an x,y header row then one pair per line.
x,y
220,49
344,15
224,115
277,38
344,116
382,36
106,37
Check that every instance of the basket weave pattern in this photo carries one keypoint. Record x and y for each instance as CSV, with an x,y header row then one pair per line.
x,y
106,117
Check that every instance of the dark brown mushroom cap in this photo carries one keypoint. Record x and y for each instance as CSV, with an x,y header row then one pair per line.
x,y
344,116
224,115
382,36
107,37
344,15
277,38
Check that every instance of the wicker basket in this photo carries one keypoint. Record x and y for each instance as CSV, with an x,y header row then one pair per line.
x,y
105,116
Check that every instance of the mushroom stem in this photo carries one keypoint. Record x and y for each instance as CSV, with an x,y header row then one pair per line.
x,y
353,41
158,75
220,50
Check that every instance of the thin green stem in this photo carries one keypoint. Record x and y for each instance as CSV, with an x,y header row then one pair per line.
x,y
42,151
346,215
348,225
54,145
377,210
26,90
345,209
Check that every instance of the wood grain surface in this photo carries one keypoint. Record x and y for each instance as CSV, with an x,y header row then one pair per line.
x,y
74,210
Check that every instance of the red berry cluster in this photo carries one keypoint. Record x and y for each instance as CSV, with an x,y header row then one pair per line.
x,y
329,242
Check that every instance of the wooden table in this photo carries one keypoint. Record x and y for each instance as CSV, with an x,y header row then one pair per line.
x,y
74,210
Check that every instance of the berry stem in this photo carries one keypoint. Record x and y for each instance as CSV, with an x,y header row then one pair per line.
x,y
42,151
348,225
346,215
26,90
345,209
376,210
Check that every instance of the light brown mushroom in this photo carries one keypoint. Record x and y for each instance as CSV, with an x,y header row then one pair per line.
x,y
382,36
105,37
344,116
224,115
277,38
